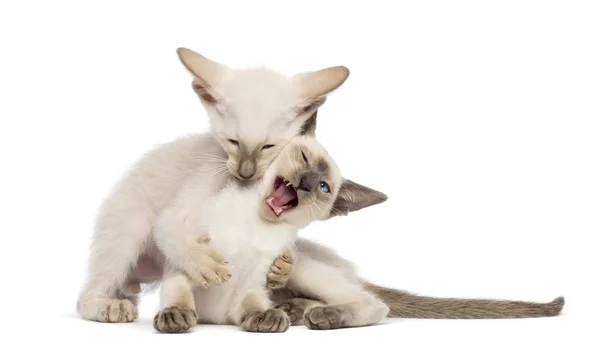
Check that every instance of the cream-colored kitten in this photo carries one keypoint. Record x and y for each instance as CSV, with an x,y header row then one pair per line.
x,y
253,113
250,226
323,290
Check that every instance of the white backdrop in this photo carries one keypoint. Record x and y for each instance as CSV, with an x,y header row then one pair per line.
x,y
480,120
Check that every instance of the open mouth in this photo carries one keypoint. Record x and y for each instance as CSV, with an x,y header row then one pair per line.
x,y
283,197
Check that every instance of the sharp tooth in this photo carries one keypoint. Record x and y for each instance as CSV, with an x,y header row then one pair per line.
x,y
288,184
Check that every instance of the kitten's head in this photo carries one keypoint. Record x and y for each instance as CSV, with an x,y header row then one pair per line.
x,y
304,184
255,112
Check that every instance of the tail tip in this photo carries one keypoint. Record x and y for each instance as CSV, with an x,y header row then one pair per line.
x,y
556,305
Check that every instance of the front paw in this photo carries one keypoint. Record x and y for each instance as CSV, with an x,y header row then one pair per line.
x,y
207,267
279,272
108,310
269,321
326,317
175,320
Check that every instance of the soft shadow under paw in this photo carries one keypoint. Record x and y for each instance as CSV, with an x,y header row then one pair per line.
x,y
175,320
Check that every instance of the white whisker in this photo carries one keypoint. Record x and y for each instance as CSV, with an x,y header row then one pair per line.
x,y
319,208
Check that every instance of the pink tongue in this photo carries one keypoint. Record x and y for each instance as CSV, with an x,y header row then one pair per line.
x,y
283,195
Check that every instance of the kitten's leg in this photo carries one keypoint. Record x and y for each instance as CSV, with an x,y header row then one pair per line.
x,y
347,303
174,237
178,313
117,243
254,314
280,271
277,278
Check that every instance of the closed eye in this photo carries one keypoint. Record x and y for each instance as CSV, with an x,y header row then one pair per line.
x,y
304,157
267,146
232,141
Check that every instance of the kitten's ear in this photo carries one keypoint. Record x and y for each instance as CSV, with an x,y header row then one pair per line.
x,y
207,74
314,86
353,197
310,125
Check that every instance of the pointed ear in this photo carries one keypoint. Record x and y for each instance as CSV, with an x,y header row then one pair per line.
x,y
310,126
207,74
314,86
353,197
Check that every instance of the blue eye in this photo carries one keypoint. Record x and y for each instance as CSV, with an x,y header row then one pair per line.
x,y
324,187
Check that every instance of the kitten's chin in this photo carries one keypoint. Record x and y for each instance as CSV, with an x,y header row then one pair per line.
x,y
289,217
295,216
267,214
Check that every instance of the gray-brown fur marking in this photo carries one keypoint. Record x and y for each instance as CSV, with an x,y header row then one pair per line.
x,y
175,320
269,321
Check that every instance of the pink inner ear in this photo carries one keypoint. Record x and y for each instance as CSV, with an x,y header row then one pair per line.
x,y
203,93
310,105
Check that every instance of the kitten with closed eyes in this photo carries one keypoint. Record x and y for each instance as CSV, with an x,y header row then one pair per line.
x,y
252,113
251,225
249,110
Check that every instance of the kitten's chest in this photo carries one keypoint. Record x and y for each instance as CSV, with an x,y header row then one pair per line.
x,y
237,231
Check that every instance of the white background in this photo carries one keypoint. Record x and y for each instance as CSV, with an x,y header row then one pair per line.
x,y
479,119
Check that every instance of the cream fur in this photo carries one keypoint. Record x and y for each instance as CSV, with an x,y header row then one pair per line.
x,y
258,107
255,105
235,221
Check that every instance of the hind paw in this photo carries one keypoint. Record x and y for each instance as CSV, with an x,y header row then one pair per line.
x,y
326,317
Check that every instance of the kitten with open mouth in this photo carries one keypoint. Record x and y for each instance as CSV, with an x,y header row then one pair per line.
x,y
250,227
253,112
284,196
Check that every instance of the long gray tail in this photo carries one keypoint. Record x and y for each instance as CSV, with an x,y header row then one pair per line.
x,y
406,305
